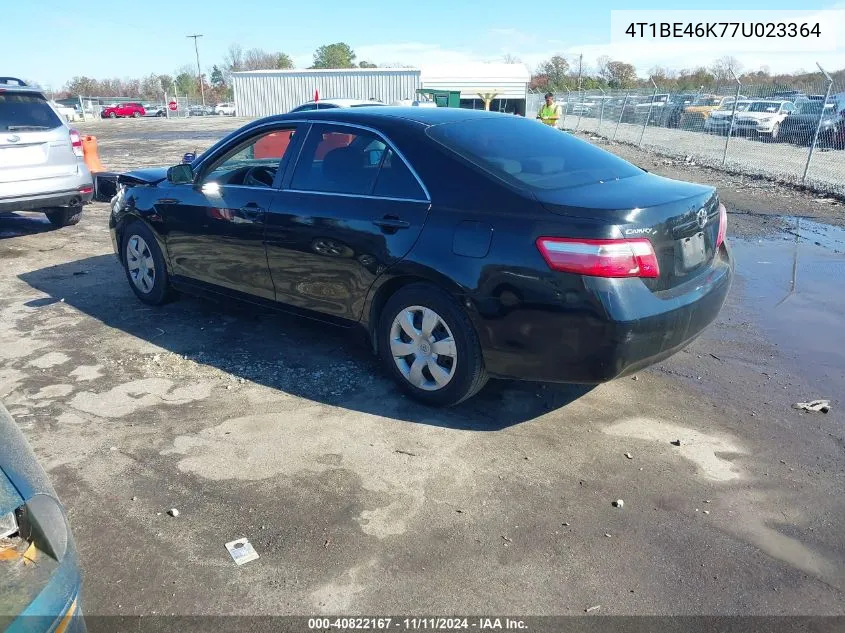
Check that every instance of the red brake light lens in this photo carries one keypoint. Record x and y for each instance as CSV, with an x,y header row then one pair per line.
x,y
76,143
600,258
723,225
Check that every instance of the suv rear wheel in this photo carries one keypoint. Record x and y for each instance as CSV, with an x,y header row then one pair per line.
x,y
64,216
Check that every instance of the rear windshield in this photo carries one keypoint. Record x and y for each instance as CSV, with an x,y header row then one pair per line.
x,y
26,112
531,155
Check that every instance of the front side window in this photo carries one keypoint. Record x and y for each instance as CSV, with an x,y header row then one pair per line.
x,y
254,163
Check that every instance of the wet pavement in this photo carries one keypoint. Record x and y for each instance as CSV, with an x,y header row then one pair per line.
x,y
797,285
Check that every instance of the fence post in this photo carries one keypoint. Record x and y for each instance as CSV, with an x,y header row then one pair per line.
x,y
819,123
621,112
580,110
565,108
733,116
601,110
648,116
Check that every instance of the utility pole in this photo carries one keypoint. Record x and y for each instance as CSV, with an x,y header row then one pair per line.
x,y
199,72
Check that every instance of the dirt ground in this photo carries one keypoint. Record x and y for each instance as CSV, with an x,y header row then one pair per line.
x,y
256,425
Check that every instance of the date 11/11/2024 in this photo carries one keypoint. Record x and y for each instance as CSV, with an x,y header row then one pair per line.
x,y
416,624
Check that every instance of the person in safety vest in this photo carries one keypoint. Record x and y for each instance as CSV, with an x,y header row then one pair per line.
x,y
549,112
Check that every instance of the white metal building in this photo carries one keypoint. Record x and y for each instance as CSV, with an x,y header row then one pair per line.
x,y
264,92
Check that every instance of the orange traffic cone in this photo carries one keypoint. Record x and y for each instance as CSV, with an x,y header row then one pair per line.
x,y
90,154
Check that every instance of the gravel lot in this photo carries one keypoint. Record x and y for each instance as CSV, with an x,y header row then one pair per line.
x,y
779,161
285,432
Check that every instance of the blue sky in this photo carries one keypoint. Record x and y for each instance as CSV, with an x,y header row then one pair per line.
x,y
149,36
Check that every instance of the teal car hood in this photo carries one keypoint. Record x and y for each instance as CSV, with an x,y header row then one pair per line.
x,y
20,475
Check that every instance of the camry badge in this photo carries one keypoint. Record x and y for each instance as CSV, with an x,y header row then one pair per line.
x,y
701,216
14,138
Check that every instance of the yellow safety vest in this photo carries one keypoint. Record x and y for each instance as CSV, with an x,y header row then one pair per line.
x,y
549,114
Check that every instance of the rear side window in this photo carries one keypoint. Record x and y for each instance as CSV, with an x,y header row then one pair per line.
x,y
26,113
530,155
395,180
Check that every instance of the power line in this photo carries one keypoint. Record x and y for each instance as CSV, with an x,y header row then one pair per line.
x,y
199,71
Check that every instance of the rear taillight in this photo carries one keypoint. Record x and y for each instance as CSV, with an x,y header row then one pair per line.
x,y
76,143
600,258
723,225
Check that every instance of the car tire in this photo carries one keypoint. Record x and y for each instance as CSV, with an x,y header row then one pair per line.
x,y
144,265
112,115
460,365
136,114
64,216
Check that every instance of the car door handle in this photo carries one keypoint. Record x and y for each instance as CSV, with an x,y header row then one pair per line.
x,y
250,213
391,223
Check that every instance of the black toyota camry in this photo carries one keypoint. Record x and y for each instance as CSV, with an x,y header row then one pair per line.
x,y
467,244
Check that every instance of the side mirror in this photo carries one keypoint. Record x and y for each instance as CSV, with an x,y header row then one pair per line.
x,y
180,174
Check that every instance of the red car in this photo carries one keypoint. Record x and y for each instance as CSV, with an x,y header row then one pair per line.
x,y
123,110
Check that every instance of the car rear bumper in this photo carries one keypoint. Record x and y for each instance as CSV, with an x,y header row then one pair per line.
x,y
45,200
624,329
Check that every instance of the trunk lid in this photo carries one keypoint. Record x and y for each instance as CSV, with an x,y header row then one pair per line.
x,y
680,219
36,155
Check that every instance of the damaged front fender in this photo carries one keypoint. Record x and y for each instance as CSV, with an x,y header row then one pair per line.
x,y
106,183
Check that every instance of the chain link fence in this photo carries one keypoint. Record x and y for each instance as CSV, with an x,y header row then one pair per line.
x,y
794,134
93,107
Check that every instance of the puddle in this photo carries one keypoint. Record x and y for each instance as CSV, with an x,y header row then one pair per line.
x,y
795,287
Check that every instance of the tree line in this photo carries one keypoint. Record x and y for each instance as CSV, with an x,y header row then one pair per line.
x,y
558,74
217,84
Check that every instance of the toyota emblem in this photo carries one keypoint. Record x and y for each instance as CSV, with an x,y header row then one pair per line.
x,y
701,216
14,138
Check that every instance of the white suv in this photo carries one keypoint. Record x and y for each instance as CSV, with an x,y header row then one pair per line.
x,y
227,109
41,159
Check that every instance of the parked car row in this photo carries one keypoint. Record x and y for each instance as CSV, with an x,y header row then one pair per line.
x,y
136,110
785,115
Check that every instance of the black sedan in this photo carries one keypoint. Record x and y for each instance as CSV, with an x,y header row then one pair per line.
x,y
800,126
467,244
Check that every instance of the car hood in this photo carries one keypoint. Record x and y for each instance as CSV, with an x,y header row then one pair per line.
x,y
702,109
150,176
808,119
757,115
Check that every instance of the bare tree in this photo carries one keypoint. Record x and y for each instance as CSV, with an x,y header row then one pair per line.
x,y
721,68
601,67
507,58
